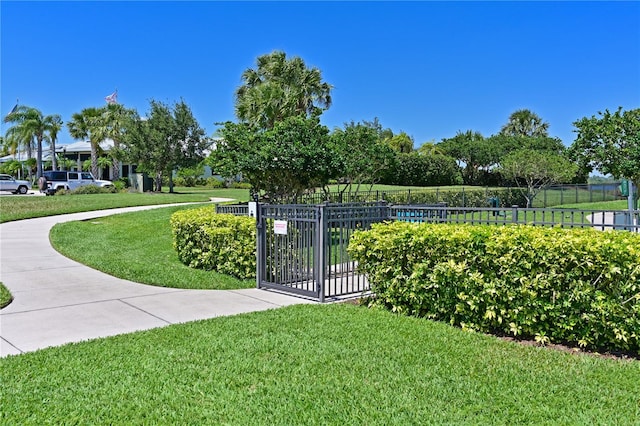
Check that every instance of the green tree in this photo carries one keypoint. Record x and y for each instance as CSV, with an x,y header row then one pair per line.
x,y
525,123
415,169
362,155
169,138
280,163
534,170
401,142
113,123
30,121
472,151
279,88
87,125
609,143
52,137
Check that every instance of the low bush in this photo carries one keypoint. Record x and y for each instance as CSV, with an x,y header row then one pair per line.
x,y
213,182
221,242
88,189
573,286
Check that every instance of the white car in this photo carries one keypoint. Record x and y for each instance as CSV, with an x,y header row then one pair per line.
x,y
57,180
9,183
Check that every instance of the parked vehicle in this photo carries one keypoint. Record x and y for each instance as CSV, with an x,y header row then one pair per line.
x,y
53,181
9,183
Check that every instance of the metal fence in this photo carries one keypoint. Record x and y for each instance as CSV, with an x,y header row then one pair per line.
x,y
234,209
474,196
302,249
565,218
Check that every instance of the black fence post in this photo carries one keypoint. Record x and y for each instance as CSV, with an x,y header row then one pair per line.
x,y
320,269
514,214
261,246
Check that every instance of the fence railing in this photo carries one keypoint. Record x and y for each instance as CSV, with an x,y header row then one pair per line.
x,y
474,196
234,209
566,218
302,249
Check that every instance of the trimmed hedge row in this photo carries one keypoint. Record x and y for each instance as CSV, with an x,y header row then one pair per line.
x,y
576,286
458,198
221,242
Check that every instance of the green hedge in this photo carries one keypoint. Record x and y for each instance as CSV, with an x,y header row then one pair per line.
x,y
576,286
221,242
459,198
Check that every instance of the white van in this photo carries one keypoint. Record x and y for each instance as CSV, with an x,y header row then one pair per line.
x,y
56,180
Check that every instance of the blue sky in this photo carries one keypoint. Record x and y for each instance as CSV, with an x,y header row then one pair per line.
x,y
426,68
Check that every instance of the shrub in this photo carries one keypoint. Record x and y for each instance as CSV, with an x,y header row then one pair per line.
x,y
214,183
459,198
577,286
221,242
88,189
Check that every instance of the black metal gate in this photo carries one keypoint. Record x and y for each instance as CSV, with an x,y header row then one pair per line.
x,y
302,249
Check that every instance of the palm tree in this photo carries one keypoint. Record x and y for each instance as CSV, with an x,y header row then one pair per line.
x,y
56,126
30,121
86,125
114,119
525,123
279,88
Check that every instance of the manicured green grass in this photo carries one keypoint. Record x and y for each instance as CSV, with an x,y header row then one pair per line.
x,y
5,296
25,207
555,197
315,364
602,205
138,247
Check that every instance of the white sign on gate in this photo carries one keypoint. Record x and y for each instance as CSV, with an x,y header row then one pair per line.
x,y
280,227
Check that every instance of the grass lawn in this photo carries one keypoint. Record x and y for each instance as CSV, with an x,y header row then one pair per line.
x,y
138,247
316,364
5,296
25,207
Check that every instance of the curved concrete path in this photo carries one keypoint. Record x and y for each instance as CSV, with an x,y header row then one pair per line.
x,y
58,301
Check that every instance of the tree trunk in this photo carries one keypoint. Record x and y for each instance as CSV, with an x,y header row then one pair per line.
x,y
39,158
158,186
94,160
171,183
54,162
115,168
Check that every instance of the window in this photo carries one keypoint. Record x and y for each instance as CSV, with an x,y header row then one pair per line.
x,y
73,176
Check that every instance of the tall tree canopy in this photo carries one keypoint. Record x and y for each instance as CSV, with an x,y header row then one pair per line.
x,y
31,124
402,143
471,149
610,143
279,88
280,163
168,138
525,123
86,125
363,155
532,170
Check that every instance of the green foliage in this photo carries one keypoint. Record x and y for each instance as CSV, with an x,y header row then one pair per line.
x,y
551,284
280,88
170,138
610,143
458,197
525,123
88,189
5,296
415,169
221,242
361,155
281,162
533,170
213,182
402,143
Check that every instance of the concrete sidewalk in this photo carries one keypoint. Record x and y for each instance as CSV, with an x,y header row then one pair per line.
x,y
58,301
